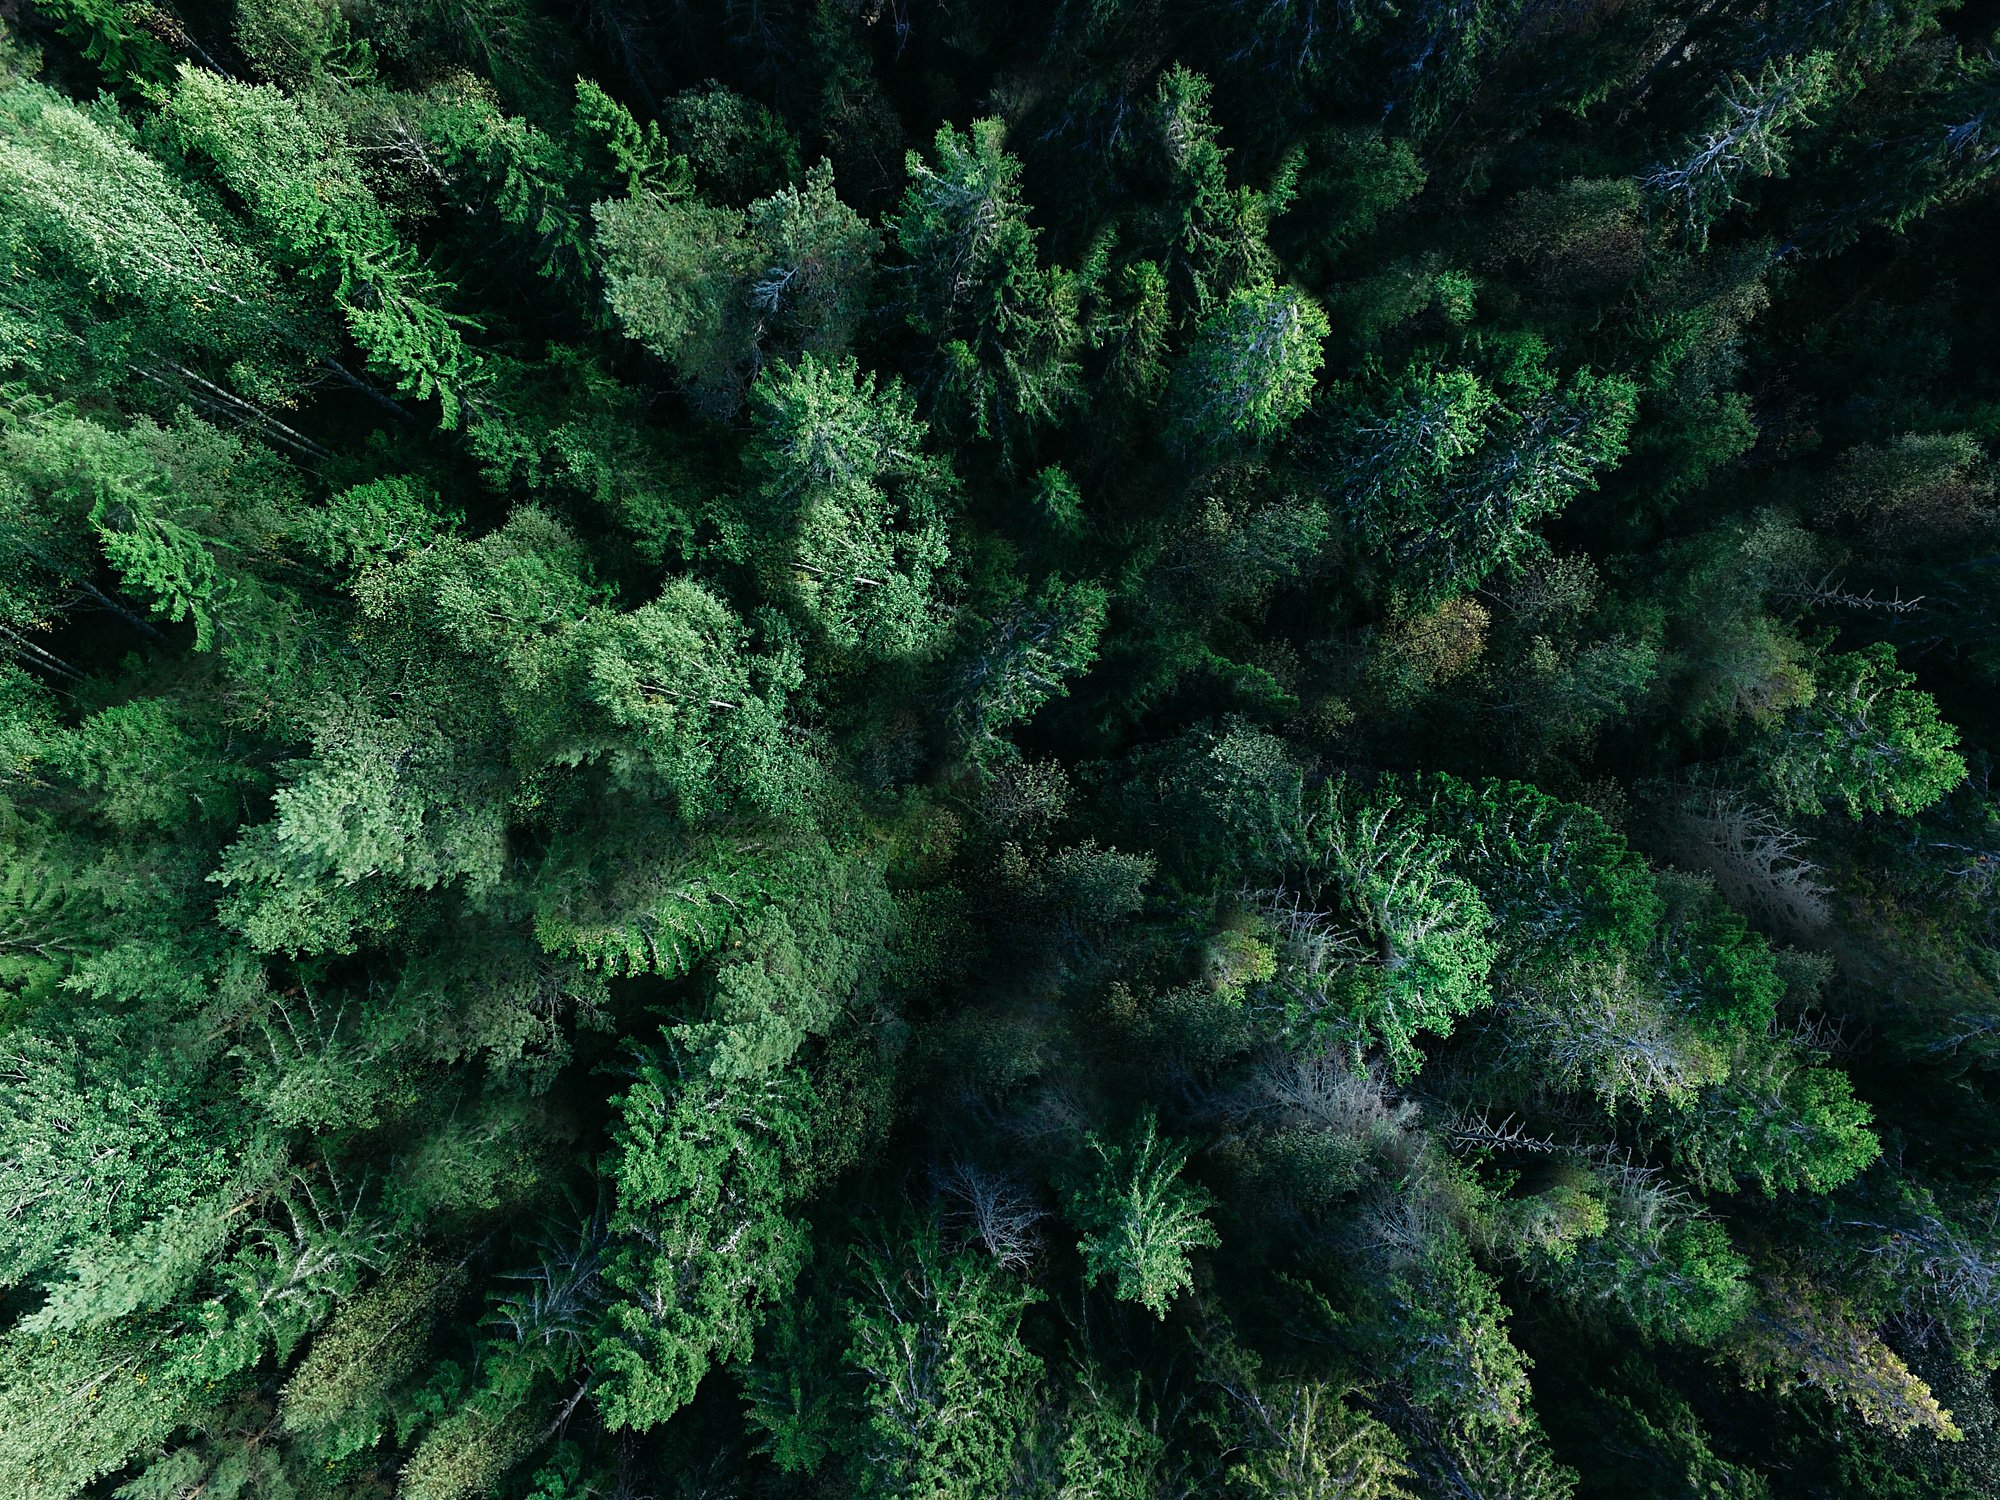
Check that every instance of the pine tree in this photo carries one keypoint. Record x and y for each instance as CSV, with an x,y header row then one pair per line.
x,y
1006,329
1381,932
1746,138
705,1172
1866,742
1319,1447
813,287
1030,646
1249,372
1140,1222
674,274
861,507
947,1386
1217,233
1447,482
267,148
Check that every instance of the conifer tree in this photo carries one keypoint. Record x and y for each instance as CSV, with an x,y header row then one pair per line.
x,y
1006,329
1865,742
1249,372
1140,1223
861,507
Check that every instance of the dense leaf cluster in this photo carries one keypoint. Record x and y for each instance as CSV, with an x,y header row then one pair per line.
x,y
1090,751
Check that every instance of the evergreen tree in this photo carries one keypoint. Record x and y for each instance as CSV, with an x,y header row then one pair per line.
x,y
1865,742
674,274
947,1387
1005,328
861,508
1140,1223
1249,372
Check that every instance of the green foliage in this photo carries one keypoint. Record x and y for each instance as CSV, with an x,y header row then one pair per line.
x,y
469,1453
1449,1334
677,679
637,155
705,1169
673,272
298,43
155,500
78,1408
117,1157
1673,1274
948,1388
505,167
1217,233
1109,1450
818,266
1746,137
714,290
1143,804
1319,1448
114,253
1140,1221
344,1392
1249,372
1559,880
1386,934
1350,181
1660,1446
1030,646
1133,327
1781,1123
1800,1335
1866,742
1446,480
1006,329
860,510
738,148
113,35
292,165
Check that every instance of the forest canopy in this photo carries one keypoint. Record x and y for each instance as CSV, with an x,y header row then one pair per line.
x,y
1082,751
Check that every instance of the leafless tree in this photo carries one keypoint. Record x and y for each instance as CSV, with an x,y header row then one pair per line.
x,y
1314,945
1758,863
1467,1130
1831,592
1324,1090
993,1208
